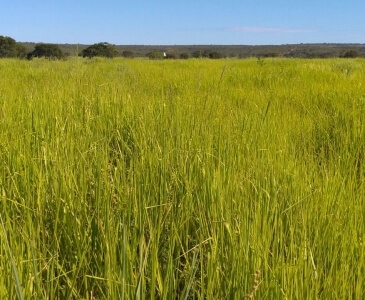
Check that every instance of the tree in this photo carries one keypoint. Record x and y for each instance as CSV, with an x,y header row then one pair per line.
x,y
351,54
128,54
50,51
10,48
101,50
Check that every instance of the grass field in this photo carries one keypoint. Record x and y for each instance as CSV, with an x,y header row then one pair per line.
x,y
196,179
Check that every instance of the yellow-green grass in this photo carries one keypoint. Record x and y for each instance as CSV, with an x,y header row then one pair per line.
x,y
197,179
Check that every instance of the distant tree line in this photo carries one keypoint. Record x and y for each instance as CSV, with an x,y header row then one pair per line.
x,y
174,54
10,48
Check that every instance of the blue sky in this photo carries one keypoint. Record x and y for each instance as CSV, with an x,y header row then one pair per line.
x,y
184,22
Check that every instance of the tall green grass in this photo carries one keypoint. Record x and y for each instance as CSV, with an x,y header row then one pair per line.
x,y
135,179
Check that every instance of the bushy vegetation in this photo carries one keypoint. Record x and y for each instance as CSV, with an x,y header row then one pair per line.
x,y
10,48
100,50
351,54
232,51
182,179
155,55
50,51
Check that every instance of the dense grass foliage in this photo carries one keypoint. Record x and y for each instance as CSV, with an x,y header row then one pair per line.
x,y
198,179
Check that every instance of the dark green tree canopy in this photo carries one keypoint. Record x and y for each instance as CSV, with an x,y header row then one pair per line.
x,y
100,49
49,51
10,48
